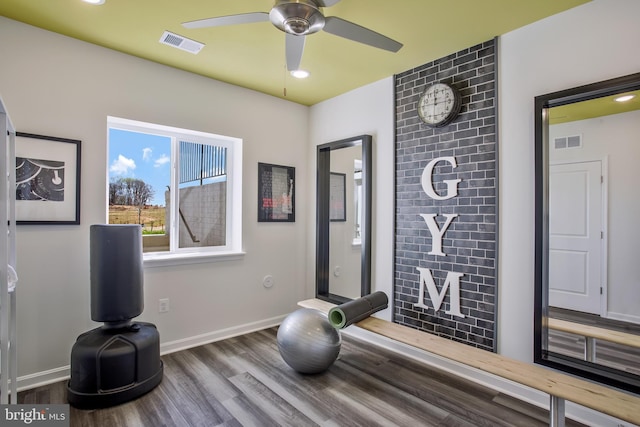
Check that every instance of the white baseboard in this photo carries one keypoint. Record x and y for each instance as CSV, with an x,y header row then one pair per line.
x,y
63,373
624,317
39,379
195,341
518,391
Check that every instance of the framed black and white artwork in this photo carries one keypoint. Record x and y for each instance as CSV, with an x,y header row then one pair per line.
x,y
47,180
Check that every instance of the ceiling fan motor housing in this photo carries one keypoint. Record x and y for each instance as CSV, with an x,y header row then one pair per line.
x,y
299,17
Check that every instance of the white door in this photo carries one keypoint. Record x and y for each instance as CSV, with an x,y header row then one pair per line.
x,y
575,236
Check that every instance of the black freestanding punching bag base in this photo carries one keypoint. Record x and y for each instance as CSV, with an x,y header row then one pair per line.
x,y
110,366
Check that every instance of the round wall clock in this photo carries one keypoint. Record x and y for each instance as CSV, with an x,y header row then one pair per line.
x,y
439,105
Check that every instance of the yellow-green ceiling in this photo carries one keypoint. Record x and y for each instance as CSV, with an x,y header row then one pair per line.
x,y
252,55
594,108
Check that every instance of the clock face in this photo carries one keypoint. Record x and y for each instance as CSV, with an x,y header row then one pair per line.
x,y
439,105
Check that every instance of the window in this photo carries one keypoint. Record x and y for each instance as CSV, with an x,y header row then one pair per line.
x,y
182,186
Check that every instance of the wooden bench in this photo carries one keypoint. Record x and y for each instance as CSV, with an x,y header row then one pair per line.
x,y
593,333
558,386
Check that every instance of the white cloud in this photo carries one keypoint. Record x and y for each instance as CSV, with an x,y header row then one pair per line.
x,y
163,160
146,153
122,166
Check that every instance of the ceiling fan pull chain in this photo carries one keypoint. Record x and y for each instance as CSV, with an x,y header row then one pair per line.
x,y
284,81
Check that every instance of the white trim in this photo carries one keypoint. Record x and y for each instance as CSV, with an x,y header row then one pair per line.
x,y
629,318
604,249
164,259
144,127
209,337
43,378
234,218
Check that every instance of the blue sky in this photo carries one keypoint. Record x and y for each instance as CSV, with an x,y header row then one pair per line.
x,y
141,156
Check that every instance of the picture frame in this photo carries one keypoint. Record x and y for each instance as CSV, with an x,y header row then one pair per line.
x,y
276,193
337,196
47,180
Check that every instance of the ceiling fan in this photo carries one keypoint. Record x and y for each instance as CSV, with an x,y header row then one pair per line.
x,y
299,18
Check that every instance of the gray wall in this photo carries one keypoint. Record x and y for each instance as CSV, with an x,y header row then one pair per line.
x,y
58,86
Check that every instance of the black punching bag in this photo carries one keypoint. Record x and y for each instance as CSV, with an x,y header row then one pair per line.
x,y
116,273
120,360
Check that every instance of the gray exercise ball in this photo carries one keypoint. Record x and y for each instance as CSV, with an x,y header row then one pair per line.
x,y
308,342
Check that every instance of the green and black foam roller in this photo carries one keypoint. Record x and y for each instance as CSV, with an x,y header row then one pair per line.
x,y
356,310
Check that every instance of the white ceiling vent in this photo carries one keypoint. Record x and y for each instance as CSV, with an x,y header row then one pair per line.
x,y
183,43
563,142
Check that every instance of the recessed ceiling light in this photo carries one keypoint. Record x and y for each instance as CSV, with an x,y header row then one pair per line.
x,y
625,98
300,74
94,1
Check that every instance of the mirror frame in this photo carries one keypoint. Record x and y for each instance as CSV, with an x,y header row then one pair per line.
x,y
323,222
589,370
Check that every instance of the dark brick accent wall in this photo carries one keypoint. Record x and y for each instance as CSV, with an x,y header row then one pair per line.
x,y
470,241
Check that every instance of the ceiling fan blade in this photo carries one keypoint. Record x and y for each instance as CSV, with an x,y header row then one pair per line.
x,y
294,48
349,30
326,3
243,18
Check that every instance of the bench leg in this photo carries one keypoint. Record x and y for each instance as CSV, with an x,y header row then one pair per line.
x,y
556,412
590,349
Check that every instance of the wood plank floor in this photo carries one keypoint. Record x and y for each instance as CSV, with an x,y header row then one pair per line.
x,y
243,381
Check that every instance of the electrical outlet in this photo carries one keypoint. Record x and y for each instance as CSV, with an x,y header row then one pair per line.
x,y
163,305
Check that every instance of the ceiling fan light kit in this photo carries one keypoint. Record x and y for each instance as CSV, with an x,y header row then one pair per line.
x,y
624,98
299,18
300,74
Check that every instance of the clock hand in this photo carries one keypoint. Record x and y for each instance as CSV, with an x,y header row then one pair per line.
x,y
435,103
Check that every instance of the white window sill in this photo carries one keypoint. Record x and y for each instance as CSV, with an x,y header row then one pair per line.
x,y
166,259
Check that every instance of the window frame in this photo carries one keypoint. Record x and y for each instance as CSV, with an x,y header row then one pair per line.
x,y
175,255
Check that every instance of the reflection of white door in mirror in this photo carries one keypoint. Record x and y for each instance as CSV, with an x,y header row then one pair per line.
x,y
587,235
575,239
357,198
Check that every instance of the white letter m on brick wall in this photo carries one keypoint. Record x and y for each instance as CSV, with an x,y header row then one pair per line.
x,y
451,283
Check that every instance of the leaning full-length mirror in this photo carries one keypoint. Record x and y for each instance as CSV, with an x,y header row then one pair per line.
x,y
343,232
587,318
